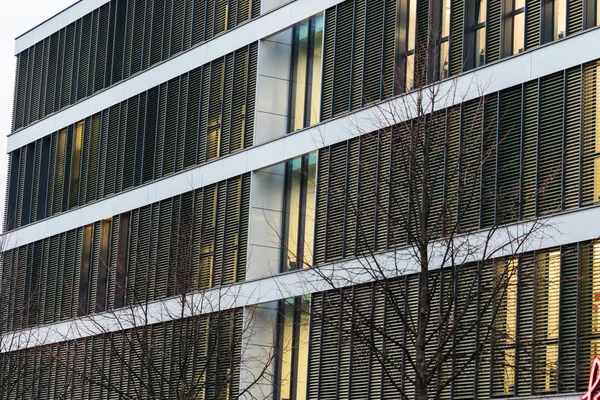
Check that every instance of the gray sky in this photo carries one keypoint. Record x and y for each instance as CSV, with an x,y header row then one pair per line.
x,y
16,17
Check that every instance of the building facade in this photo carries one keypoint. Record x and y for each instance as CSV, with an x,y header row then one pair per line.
x,y
216,199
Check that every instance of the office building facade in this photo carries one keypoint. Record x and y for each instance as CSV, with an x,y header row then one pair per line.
x,y
201,194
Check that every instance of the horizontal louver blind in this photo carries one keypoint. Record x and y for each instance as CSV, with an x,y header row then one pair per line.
x,y
112,43
201,354
181,123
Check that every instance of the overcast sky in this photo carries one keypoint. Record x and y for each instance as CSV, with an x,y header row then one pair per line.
x,y
16,17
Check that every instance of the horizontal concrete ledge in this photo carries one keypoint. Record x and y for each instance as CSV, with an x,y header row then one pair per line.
x,y
489,79
243,35
555,231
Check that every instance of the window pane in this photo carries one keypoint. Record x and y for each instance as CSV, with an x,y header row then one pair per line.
x,y
299,75
410,72
518,33
482,12
445,18
309,218
480,47
293,214
511,323
315,100
444,60
303,338
560,18
286,341
519,4
412,24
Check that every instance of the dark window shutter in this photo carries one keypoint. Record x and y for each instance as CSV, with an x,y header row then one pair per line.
x,y
572,139
493,28
456,58
530,149
533,21
550,147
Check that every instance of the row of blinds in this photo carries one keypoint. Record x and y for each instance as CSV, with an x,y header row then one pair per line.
x,y
372,37
521,326
198,116
196,357
194,241
363,34
112,43
518,153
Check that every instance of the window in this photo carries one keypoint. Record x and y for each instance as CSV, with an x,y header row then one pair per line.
x,y
554,20
305,83
549,273
292,344
559,20
76,165
514,40
508,272
122,258
410,48
595,302
103,260
85,273
299,222
444,38
478,16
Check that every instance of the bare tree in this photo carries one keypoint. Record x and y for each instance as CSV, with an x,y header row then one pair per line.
x,y
424,208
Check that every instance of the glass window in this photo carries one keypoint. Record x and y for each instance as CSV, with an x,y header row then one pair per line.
x,y
516,24
76,164
551,270
479,28
410,49
122,258
299,224
101,286
305,95
444,38
559,22
292,343
85,273
511,277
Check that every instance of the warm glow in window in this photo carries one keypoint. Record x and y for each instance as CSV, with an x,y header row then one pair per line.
x,y
300,212
411,40
560,18
553,320
293,337
511,324
596,289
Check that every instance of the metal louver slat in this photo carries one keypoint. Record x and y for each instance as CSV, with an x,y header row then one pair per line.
x,y
359,38
328,63
161,139
192,115
178,26
575,21
533,20
343,47
572,140
550,146
530,149
227,99
165,234
171,131
493,27
456,59
181,120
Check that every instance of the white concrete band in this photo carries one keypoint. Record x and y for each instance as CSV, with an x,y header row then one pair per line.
x,y
555,231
